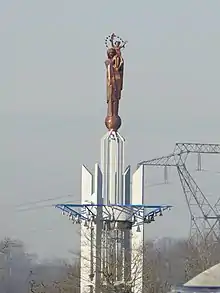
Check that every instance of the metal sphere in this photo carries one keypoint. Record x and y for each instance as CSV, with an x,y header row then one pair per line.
x,y
113,122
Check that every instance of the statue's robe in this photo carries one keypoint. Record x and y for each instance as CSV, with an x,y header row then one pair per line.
x,y
115,70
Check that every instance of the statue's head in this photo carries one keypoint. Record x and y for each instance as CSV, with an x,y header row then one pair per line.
x,y
111,53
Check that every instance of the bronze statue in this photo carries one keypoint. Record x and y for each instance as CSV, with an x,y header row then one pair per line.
x,y
114,79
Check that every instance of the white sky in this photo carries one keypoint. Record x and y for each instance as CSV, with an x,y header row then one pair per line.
x,y
53,100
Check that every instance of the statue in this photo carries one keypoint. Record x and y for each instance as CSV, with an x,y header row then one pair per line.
x,y
114,80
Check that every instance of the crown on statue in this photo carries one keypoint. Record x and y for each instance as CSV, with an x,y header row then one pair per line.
x,y
113,40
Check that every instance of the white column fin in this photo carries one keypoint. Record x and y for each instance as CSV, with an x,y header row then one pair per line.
x,y
127,186
137,237
86,185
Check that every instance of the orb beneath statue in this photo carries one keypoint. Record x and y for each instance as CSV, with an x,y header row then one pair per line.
x,y
113,122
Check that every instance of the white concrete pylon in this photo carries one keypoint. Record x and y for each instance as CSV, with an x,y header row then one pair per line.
x,y
111,185
86,236
137,232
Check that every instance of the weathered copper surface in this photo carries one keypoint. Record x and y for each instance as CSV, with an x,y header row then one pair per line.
x,y
113,122
114,81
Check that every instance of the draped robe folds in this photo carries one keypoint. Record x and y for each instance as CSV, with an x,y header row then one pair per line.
x,y
114,83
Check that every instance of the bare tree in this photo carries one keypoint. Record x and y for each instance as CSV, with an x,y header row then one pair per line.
x,y
110,269
177,263
117,267
165,264
201,256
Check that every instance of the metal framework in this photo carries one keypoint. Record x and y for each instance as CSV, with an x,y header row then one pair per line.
x,y
205,218
136,215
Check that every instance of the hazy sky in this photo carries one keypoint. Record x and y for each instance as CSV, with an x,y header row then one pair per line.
x,y
53,99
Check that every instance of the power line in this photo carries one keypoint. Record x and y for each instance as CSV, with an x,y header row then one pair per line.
x,y
37,207
42,200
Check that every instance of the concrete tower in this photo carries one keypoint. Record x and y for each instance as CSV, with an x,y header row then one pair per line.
x,y
112,212
112,249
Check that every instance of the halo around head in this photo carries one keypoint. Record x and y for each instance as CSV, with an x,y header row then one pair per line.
x,y
112,39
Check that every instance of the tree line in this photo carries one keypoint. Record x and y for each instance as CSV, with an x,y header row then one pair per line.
x,y
166,262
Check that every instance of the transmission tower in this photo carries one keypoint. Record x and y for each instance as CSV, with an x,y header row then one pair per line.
x,y
205,217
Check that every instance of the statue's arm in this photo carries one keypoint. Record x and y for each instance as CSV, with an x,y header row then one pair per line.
x,y
123,46
107,63
118,62
112,39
